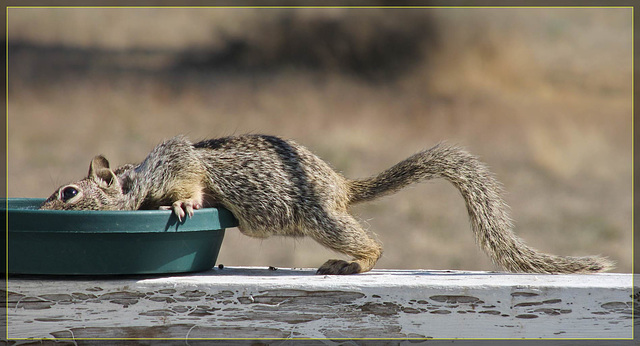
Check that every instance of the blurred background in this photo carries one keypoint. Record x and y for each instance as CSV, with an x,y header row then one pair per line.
x,y
543,96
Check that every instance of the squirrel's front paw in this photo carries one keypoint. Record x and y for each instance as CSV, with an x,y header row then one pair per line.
x,y
182,208
339,267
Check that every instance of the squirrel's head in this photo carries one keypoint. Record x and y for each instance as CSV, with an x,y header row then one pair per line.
x,y
100,190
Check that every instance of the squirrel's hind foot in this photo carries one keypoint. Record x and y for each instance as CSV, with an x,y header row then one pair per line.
x,y
339,267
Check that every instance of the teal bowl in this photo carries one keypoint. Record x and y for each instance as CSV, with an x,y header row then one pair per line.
x,y
60,242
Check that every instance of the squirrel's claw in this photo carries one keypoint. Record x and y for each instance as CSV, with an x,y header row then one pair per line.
x,y
183,208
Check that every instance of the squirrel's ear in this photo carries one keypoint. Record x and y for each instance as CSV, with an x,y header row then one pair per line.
x,y
99,171
99,162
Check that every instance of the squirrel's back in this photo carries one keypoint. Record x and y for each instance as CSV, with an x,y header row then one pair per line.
x,y
270,183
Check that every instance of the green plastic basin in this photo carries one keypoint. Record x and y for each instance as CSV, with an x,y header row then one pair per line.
x,y
110,242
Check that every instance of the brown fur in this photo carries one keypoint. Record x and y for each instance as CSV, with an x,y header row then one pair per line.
x,y
277,187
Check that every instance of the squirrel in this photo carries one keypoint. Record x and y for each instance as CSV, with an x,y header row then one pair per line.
x,y
275,186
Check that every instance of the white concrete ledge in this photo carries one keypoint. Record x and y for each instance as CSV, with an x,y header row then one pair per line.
x,y
252,302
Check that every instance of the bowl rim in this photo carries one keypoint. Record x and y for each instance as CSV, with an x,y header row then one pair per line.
x,y
23,219
6,207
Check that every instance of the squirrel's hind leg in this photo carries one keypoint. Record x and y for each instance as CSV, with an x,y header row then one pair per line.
x,y
345,235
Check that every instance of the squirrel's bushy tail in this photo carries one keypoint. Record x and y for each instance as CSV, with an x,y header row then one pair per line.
x,y
488,213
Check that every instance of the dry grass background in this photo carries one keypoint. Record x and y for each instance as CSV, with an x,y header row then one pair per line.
x,y
542,95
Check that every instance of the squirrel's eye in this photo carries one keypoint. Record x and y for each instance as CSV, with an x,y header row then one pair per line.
x,y
68,193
